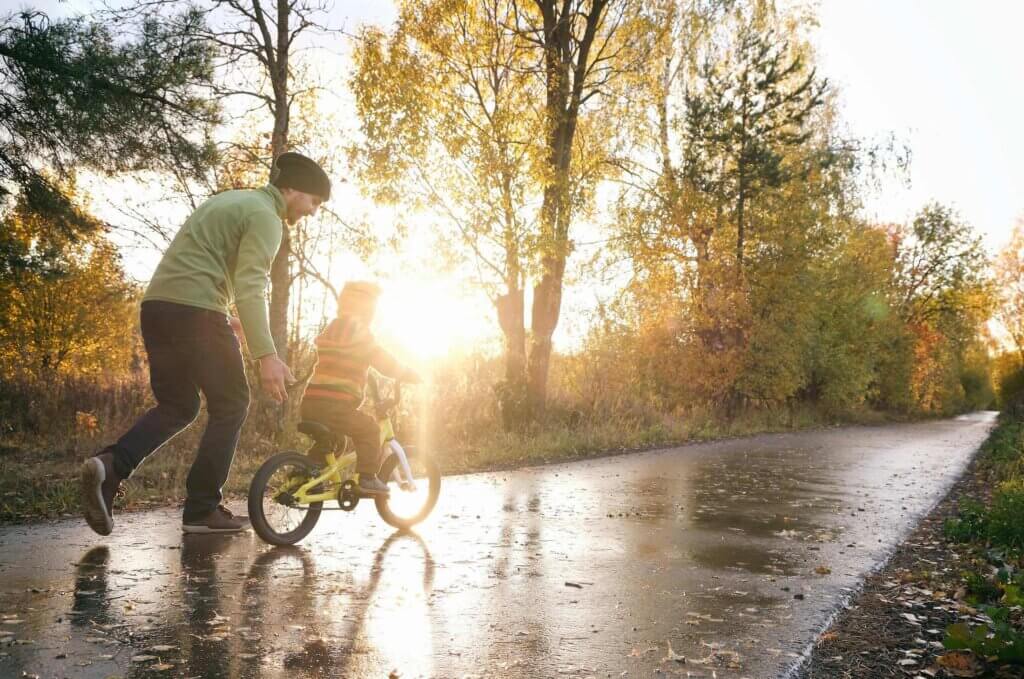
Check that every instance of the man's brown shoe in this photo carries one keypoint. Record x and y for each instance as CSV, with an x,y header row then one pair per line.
x,y
99,485
220,520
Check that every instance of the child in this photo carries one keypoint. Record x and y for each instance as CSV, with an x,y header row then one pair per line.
x,y
345,351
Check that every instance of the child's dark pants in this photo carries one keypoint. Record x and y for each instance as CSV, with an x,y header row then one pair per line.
x,y
343,419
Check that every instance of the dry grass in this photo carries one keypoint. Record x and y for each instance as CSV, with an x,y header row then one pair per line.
x,y
49,428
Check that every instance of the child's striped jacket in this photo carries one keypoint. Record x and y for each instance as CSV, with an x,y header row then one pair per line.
x,y
346,349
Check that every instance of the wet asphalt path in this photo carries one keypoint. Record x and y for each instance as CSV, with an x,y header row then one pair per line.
x,y
732,555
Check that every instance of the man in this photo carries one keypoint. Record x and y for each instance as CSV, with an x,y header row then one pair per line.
x,y
222,254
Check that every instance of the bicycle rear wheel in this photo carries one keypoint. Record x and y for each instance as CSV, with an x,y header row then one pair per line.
x,y
406,507
274,514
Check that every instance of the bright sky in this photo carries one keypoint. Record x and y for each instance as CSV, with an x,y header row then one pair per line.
x,y
946,76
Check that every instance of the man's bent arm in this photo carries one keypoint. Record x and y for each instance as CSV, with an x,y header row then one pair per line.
x,y
256,253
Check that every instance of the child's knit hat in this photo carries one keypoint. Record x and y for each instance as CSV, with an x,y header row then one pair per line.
x,y
358,298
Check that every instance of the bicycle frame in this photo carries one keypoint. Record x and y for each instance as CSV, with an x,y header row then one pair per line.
x,y
340,469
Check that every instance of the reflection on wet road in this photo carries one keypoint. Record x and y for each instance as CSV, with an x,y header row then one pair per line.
x,y
731,555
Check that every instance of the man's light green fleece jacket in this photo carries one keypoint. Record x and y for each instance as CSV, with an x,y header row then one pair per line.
x,y
223,254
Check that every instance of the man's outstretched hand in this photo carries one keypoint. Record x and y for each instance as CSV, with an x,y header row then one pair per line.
x,y
275,377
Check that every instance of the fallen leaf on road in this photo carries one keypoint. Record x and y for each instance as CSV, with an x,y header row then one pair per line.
x,y
911,618
823,570
637,653
960,664
672,655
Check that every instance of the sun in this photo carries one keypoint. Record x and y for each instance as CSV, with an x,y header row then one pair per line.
x,y
427,318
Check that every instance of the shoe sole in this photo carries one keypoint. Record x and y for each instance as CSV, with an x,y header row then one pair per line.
x,y
373,493
95,511
205,529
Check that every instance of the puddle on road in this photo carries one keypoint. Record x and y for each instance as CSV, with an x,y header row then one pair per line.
x,y
734,553
746,558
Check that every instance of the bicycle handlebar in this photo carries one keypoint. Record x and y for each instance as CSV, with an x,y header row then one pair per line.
x,y
383,406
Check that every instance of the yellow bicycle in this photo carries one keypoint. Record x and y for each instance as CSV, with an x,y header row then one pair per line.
x,y
289,490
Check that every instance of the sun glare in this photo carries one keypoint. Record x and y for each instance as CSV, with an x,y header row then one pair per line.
x,y
427,319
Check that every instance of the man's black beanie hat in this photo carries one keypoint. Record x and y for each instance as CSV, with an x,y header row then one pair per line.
x,y
296,171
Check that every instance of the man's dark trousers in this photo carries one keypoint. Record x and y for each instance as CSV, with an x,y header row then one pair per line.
x,y
191,351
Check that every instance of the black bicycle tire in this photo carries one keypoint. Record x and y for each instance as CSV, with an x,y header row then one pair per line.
x,y
259,484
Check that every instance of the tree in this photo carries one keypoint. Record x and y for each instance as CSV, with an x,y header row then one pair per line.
x,y
940,269
78,94
734,115
742,115
446,107
67,314
582,50
942,292
1009,280
451,103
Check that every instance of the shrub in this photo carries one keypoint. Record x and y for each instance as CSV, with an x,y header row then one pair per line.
x,y
981,589
1006,517
1003,448
1011,390
998,640
970,524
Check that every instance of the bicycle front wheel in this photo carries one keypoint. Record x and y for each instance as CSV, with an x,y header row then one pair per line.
x,y
273,512
405,505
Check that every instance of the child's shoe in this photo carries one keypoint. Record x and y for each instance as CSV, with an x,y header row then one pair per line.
x,y
371,486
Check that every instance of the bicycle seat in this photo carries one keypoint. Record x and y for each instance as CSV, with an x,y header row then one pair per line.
x,y
318,432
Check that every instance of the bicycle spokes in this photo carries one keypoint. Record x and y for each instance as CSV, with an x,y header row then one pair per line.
x,y
283,513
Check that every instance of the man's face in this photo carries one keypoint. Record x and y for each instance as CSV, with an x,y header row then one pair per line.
x,y
299,205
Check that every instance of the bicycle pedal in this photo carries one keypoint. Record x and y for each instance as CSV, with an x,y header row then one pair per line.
x,y
348,495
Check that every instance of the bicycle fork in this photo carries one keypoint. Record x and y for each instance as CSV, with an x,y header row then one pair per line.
x,y
403,469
